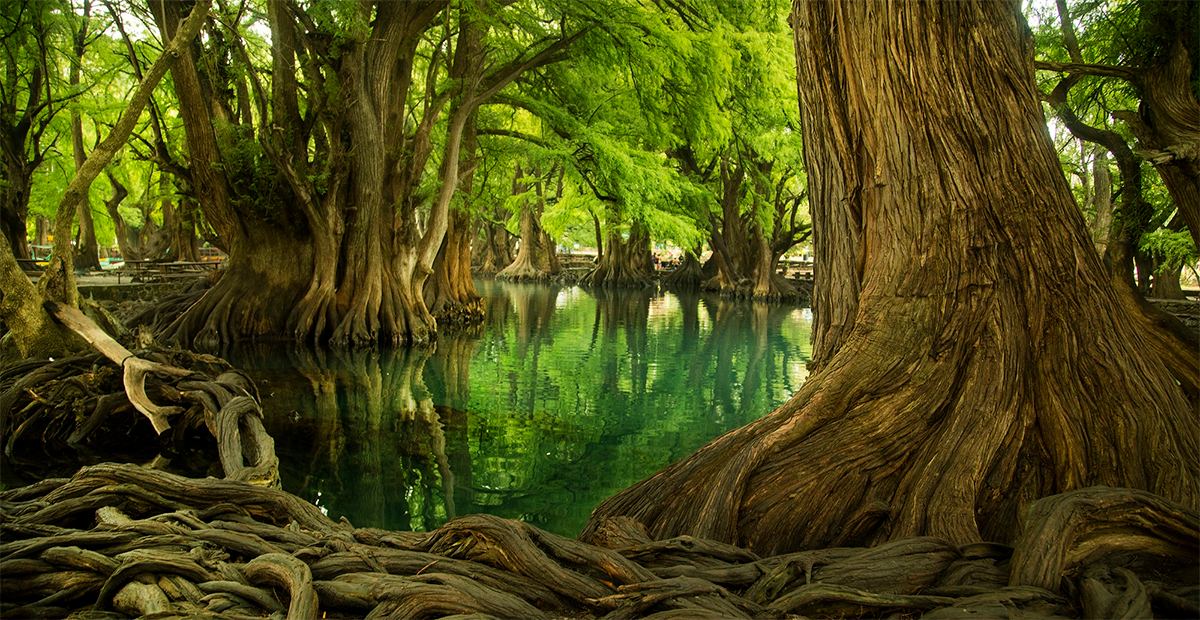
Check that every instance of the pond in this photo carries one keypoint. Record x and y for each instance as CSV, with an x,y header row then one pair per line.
x,y
562,398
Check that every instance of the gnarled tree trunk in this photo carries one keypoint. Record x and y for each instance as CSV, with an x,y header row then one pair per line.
x,y
744,257
120,229
625,263
450,292
687,276
970,355
536,259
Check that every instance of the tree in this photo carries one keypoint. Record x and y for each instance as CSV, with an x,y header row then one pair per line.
x,y
28,104
537,256
21,304
1084,101
969,354
87,255
314,182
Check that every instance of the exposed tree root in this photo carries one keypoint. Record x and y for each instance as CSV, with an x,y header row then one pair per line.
x,y
60,413
140,541
523,272
687,276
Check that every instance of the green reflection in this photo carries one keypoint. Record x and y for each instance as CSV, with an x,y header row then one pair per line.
x,y
563,398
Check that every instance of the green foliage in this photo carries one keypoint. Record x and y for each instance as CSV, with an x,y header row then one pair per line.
x,y
1133,34
1173,249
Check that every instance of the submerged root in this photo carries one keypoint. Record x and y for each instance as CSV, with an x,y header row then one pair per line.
x,y
146,541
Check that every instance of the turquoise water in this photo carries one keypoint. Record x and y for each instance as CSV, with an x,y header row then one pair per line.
x,y
561,399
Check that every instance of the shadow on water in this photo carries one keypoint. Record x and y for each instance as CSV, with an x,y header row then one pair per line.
x,y
560,399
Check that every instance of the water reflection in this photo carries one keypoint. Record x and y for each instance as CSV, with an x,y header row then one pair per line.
x,y
562,398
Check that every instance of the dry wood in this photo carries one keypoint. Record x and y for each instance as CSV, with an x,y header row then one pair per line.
x,y
228,403
135,368
836,600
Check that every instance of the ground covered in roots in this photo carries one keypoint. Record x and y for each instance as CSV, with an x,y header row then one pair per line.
x,y
120,541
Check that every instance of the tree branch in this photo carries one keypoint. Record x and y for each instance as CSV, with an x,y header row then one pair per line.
x,y
1078,68
509,133
506,74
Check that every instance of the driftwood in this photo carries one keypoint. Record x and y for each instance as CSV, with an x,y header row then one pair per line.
x,y
79,405
122,541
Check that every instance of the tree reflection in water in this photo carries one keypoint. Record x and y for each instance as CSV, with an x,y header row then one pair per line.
x,y
560,399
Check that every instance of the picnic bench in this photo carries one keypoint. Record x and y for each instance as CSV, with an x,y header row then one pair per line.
x,y
161,271
30,265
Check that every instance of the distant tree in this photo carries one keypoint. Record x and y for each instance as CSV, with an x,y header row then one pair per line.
x,y
33,35
21,304
315,182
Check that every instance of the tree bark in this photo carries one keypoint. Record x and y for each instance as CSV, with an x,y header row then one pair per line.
x,y
120,229
535,260
87,255
971,354
625,262
1102,223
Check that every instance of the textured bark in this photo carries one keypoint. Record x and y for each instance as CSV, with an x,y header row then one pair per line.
x,y
87,252
687,275
450,292
536,259
970,354
120,228
626,263
32,331
213,548
1102,223
245,303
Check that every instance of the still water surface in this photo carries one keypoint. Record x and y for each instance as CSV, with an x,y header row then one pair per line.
x,y
561,399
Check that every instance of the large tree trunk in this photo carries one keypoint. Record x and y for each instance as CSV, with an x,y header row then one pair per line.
x,y
495,243
687,276
450,292
270,273
970,354
625,262
536,260
744,257
1166,282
